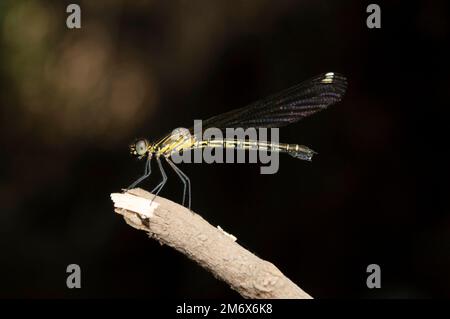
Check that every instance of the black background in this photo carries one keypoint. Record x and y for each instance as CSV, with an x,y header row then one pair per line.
x,y
72,101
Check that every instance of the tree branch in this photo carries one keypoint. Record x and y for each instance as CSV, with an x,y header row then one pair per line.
x,y
211,247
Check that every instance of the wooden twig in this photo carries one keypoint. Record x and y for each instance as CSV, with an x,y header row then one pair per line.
x,y
211,247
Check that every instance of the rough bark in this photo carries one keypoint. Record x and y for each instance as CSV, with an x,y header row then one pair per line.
x,y
212,248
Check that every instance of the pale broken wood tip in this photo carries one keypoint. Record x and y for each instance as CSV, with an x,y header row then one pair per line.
x,y
143,206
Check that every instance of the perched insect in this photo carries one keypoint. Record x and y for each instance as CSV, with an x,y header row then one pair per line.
x,y
277,110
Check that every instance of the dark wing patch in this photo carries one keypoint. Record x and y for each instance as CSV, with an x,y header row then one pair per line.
x,y
286,107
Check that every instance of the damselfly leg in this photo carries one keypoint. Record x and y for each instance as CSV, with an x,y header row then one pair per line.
x,y
186,182
160,186
147,172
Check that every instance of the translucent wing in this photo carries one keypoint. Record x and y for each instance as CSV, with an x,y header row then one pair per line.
x,y
286,107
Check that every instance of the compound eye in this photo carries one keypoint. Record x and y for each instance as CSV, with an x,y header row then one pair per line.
x,y
141,147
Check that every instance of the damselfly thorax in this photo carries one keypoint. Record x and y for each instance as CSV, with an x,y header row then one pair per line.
x,y
277,110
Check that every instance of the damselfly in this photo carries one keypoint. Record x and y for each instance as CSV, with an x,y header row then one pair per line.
x,y
277,110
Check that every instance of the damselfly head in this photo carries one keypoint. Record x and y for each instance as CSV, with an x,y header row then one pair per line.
x,y
140,147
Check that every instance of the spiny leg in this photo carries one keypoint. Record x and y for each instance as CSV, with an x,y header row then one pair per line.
x,y
159,187
184,179
147,172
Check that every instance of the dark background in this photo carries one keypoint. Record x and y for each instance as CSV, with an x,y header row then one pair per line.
x,y
72,100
